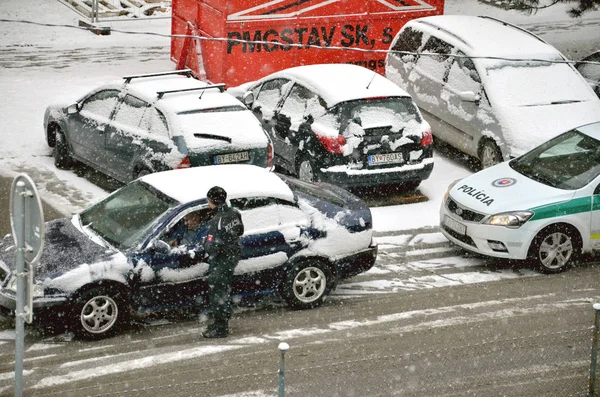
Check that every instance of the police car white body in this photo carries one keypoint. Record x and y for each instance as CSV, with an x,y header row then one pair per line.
x,y
543,205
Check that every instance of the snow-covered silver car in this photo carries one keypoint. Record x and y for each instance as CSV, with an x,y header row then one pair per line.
x,y
155,122
342,124
112,262
489,88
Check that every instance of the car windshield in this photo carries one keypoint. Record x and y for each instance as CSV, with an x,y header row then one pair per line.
x,y
570,161
526,84
123,217
393,112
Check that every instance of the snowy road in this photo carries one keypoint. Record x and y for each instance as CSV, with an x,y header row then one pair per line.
x,y
359,343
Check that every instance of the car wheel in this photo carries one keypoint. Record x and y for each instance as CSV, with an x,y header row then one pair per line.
x,y
489,154
98,313
306,284
554,248
62,157
306,171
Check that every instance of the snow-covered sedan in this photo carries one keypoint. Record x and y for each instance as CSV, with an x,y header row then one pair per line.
x,y
342,124
111,262
544,205
155,122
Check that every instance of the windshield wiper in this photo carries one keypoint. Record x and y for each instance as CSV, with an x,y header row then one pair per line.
x,y
212,136
562,102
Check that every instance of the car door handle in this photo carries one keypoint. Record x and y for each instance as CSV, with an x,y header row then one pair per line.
x,y
100,128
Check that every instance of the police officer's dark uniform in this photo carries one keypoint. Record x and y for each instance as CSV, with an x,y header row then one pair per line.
x,y
223,251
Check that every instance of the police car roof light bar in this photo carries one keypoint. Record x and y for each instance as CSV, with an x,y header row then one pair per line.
x,y
221,88
186,72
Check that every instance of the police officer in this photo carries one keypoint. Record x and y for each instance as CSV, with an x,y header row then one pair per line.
x,y
222,253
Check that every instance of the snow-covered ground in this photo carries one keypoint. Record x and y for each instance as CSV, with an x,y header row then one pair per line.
x,y
43,64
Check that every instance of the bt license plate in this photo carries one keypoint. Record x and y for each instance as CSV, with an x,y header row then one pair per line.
x,y
231,158
454,225
385,158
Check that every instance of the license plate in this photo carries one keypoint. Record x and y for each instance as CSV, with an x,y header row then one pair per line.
x,y
454,225
232,157
385,158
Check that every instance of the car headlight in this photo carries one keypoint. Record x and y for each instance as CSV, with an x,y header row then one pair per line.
x,y
38,290
513,219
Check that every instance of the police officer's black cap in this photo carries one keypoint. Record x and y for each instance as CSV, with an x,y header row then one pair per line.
x,y
217,195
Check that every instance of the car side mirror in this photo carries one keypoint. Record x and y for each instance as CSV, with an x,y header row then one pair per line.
x,y
469,96
73,109
248,99
357,120
159,246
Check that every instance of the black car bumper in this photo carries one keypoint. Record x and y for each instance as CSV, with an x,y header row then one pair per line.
x,y
387,176
357,263
41,307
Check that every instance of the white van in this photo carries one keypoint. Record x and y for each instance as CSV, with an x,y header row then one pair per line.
x,y
488,88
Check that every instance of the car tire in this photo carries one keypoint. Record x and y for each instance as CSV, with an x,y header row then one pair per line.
x,y
306,170
489,154
62,156
306,284
99,313
554,248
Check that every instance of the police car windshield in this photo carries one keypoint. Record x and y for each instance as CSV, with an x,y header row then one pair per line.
x,y
570,161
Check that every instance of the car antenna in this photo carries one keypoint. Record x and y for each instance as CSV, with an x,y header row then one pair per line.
x,y
368,85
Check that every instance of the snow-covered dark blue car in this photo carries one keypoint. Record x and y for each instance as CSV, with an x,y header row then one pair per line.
x,y
111,263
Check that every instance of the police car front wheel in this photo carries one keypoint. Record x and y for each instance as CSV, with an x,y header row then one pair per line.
x,y
554,248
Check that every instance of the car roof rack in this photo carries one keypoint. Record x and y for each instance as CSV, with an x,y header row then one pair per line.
x,y
221,88
186,72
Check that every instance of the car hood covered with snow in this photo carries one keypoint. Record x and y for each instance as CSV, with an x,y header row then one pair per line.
x,y
69,258
500,188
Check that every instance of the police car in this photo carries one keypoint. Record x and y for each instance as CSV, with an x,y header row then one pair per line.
x,y
543,205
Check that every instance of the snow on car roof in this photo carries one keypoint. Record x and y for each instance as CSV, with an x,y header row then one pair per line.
x,y
238,180
488,37
148,87
337,83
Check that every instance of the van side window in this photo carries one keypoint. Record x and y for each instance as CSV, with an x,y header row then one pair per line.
x,y
434,60
439,47
409,40
463,76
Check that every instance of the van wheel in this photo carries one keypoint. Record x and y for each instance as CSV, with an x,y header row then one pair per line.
x,y
554,248
489,154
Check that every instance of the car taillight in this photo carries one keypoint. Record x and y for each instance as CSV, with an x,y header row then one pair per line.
x,y
185,163
427,138
270,156
333,144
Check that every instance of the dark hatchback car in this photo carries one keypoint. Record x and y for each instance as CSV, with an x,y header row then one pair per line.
x,y
155,122
111,263
342,124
